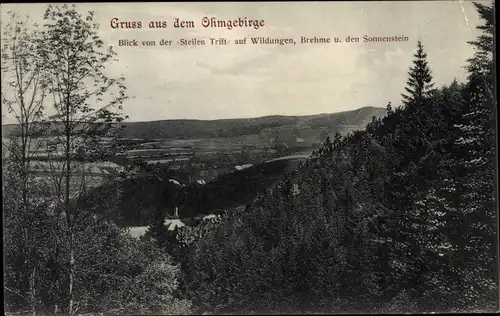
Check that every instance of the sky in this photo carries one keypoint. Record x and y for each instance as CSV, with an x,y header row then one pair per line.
x,y
238,81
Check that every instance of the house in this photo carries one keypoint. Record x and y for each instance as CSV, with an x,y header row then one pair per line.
x,y
174,181
248,165
207,218
137,232
173,223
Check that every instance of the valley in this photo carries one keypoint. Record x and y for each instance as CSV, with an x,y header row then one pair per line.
x,y
187,168
194,151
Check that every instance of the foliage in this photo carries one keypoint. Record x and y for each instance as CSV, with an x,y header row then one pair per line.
x,y
397,218
138,200
27,237
61,255
125,276
115,273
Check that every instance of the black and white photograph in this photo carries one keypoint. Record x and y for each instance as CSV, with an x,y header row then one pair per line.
x,y
249,158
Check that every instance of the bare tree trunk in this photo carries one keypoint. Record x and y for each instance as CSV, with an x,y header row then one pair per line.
x,y
69,219
25,124
71,272
31,265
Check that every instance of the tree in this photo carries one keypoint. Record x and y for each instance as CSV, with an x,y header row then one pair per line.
x,y
28,238
303,247
389,108
419,85
84,98
478,121
475,147
164,237
24,95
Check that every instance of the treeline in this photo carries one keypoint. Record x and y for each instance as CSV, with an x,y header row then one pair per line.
x,y
399,217
136,200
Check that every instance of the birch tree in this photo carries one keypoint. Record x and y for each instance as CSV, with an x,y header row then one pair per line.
x,y
87,103
23,94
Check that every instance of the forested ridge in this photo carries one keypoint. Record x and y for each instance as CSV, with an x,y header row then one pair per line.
x,y
399,217
210,129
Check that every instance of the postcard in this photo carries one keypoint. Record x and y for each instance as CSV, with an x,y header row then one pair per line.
x,y
249,158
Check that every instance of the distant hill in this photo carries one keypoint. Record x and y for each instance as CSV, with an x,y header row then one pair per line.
x,y
188,129
356,119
